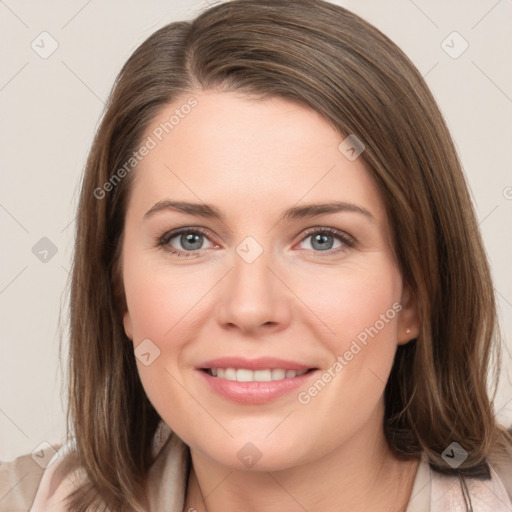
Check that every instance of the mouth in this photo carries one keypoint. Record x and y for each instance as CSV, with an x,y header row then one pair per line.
x,y
248,375
254,381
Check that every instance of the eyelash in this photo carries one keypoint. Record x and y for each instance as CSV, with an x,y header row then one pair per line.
x,y
163,241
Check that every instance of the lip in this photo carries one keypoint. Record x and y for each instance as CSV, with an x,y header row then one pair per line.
x,y
261,363
254,393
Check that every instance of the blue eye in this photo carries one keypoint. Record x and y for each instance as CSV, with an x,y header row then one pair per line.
x,y
192,239
322,239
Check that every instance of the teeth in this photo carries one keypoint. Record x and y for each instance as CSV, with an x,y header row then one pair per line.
x,y
245,375
280,374
230,374
262,375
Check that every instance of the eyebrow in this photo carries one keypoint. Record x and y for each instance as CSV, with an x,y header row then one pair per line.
x,y
295,212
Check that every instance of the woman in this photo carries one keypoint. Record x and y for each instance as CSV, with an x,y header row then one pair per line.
x,y
324,342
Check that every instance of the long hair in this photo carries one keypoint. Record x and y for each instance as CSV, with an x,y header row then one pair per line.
x,y
326,58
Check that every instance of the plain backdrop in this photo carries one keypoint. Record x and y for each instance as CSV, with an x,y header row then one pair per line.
x,y
51,105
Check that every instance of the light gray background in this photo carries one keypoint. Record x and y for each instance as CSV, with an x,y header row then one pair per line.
x,y
50,109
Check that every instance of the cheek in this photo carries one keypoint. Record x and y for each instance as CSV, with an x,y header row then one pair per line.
x,y
160,307
361,313
359,310
157,301
356,300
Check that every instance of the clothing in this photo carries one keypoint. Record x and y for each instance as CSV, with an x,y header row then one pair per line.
x,y
26,487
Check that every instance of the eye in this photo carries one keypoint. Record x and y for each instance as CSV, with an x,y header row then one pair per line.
x,y
322,240
190,239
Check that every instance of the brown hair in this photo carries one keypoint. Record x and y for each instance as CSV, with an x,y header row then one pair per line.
x,y
325,57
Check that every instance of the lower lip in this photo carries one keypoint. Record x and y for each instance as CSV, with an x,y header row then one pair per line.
x,y
254,392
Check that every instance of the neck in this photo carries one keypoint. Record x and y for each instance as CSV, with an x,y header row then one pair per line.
x,y
360,475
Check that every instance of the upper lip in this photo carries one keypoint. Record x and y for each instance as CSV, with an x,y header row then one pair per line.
x,y
261,363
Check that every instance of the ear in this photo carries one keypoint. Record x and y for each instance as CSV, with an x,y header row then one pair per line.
x,y
408,322
127,322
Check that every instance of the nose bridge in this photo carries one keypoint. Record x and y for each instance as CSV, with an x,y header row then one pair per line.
x,y
251,275
253,296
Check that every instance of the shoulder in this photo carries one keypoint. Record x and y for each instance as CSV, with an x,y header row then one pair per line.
x,y
456,492
19,481
503,469
29,484
26,486
437,491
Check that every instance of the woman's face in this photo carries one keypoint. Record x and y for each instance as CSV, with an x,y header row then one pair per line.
x,y
250,279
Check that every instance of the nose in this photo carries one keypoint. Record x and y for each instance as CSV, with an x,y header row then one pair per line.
x,y
254,298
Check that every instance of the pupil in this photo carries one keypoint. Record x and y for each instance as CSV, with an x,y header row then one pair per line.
x,y
322,239
191,238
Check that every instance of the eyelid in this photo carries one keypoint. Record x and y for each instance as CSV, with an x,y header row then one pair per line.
x,y
168,235
348,240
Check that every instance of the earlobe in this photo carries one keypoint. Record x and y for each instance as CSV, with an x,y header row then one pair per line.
x,y
408,323
127,323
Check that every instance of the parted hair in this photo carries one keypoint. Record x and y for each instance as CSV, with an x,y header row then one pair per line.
x,y
442,384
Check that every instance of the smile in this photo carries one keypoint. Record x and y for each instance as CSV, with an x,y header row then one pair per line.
x,y
266,379
247,375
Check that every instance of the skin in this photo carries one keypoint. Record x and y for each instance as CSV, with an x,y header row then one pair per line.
x,y
253,159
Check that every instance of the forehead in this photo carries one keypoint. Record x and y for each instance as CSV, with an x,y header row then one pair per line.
x,y
256,154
